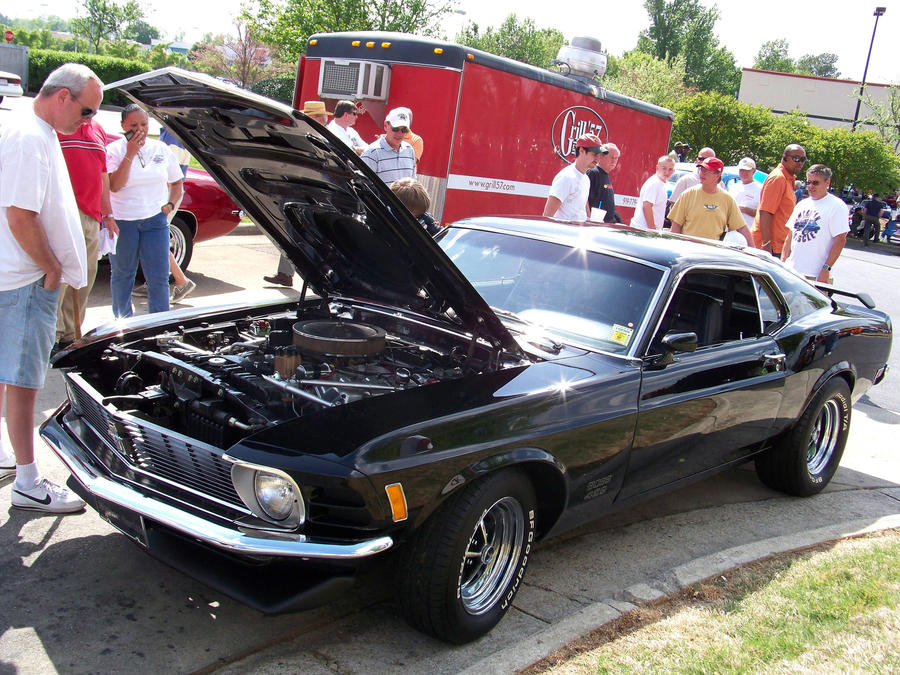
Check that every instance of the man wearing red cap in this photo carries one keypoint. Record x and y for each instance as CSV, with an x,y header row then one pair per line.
x,y
706,211
568,198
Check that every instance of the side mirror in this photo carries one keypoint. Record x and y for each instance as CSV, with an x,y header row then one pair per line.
x,y
674,342
680,342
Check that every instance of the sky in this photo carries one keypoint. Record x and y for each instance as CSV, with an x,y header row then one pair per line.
x,y
838,26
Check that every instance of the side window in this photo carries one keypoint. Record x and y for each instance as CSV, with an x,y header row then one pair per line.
x,y
771,309
717,306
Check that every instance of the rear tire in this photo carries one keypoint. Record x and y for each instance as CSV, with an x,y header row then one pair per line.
x,y
461,572
181,242
805,460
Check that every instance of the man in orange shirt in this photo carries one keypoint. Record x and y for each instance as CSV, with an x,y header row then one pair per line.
x,y
777,201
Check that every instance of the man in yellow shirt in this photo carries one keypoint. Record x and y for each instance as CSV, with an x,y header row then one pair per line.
x,y
706,211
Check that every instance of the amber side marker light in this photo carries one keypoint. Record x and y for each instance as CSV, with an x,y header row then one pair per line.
x,y
398,501
313,43
355,43
438,50
370,44
385,45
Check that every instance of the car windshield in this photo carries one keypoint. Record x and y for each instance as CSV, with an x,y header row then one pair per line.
x,y
584,298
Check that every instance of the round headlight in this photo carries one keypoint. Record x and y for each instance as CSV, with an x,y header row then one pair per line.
x,y
275,495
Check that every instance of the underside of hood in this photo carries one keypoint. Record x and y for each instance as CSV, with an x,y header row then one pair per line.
x,y
341,226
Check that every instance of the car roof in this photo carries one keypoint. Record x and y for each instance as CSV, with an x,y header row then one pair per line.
x,y
662,249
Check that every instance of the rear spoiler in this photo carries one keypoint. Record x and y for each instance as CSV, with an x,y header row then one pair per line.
x,y
830,290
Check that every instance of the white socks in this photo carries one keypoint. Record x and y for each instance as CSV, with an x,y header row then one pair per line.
x,y
27,475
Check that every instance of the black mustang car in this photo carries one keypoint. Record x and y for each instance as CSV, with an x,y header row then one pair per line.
x,y
440,404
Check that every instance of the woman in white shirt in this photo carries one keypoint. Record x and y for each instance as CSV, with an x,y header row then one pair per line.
x,y
145,183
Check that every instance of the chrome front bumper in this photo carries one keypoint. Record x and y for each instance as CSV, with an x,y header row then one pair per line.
x,y
77,458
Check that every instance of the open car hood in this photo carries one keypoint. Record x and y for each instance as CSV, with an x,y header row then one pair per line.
x,y
341,226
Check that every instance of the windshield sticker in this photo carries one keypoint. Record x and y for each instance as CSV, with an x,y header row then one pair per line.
x,y
621,334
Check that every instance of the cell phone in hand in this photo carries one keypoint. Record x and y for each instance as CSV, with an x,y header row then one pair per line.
x,y
129,134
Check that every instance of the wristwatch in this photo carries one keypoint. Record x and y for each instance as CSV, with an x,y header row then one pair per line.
x,y
826,267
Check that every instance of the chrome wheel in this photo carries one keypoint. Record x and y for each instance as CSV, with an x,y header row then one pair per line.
x,y
824,437
177,243
492,555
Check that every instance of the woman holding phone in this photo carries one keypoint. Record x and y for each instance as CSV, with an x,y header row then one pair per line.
x,y
145,183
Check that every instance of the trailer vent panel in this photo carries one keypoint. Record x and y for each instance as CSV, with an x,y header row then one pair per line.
x,y
354,80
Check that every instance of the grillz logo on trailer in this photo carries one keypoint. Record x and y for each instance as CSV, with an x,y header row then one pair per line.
x,y
572,123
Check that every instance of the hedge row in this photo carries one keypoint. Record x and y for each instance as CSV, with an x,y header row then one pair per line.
x,y
41,62
280,88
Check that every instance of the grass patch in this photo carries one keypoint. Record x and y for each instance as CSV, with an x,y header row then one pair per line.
x,y
832,608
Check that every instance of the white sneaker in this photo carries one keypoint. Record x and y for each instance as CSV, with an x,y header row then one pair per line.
x,y
179,293
140,291
46,496
7,471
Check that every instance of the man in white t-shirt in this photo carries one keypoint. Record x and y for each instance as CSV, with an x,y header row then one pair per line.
x,y
651,209
43,245
341,125
818,228
568,199
746,193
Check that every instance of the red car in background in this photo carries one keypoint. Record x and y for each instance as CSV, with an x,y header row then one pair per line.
x,y
205,212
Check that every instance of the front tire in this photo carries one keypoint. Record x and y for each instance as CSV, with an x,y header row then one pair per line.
x,y
462,571
805,460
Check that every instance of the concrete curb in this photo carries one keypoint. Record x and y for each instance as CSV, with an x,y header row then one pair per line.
x,y
540,645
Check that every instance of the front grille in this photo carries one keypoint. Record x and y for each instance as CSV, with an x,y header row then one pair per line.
x,y
169,459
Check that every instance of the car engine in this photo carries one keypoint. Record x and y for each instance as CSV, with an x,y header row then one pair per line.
x,y
220,382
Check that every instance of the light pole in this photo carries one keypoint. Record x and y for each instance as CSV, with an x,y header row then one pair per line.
x,y
879,11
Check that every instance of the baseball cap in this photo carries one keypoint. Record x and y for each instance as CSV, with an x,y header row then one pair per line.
x,y
591,143
398,117
712,164
747,163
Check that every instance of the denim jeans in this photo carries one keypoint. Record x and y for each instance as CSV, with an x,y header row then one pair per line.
x,y
145,241
27,325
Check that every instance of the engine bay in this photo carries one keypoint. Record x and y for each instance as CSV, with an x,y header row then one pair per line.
x,y
219,382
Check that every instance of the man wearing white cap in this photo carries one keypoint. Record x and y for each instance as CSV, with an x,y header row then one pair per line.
x,y
390,156
746,193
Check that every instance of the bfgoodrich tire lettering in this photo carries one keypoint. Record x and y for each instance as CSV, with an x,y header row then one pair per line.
x,y
461,573
805,460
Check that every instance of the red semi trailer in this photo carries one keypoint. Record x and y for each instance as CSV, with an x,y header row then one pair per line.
x,y
496,131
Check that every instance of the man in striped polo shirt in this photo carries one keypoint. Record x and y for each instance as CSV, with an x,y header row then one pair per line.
x,y
390,156
85,155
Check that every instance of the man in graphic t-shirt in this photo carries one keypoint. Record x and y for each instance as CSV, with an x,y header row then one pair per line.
x,y
818,228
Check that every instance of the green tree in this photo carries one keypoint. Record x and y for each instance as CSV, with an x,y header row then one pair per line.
x,y
733,129
685,28
773,55
143,32
821,65
885,116
736,129
516,39
648,78
287,24
104,20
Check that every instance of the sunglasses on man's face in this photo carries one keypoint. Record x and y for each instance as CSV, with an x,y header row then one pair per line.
x,y
86,113
400,130
797,158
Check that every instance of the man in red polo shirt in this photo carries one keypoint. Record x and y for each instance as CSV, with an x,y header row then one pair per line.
x,y
777,201
85,154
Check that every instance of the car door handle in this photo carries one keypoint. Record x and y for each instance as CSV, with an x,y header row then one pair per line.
x,y
777,360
